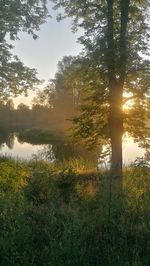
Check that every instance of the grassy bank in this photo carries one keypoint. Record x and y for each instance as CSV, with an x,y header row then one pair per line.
x,y
62,215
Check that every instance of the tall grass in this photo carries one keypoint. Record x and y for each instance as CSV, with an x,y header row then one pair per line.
x,y
59,215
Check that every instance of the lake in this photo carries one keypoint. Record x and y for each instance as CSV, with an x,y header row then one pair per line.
x,y
17,148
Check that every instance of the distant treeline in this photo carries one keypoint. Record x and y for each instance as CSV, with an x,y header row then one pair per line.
x,y
23,116
38,115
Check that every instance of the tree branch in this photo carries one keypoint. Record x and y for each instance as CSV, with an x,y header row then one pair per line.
x,y
124,7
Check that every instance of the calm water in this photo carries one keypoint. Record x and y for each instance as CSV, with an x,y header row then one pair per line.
x,y
12,147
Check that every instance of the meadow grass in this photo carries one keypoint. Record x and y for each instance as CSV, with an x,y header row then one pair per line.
x,y
61,214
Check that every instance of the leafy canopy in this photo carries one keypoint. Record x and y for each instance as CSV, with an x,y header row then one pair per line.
x,y
16,16
91,73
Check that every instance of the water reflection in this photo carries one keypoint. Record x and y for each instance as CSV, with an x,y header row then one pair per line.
x,y
131,150
19,150
6,137
58,148
12,144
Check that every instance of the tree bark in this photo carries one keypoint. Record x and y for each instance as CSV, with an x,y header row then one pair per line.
x,y
115,99
116,129
116,84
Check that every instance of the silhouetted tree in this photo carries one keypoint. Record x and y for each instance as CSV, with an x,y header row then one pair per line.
x,y
116,36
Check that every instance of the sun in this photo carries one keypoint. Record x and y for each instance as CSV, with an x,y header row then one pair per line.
x,y
128,102
127,106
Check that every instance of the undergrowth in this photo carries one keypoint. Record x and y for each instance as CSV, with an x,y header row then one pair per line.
x,y
62,215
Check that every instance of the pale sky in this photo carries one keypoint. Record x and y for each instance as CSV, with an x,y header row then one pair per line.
x,y
55,41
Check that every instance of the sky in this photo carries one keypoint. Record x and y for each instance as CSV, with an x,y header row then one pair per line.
x,y
55,41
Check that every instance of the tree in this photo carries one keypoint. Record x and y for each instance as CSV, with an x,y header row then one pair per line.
x,y
64,95
10,104
16,16
59,96
22,107
115,38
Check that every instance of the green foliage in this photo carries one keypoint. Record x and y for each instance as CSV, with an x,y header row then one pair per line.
x,y
15,231
12,176
15,236
52,215
15,77
16,16
60,96
116,49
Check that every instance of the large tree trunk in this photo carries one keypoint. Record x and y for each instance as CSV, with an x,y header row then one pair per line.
x,y
116,129
116,84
